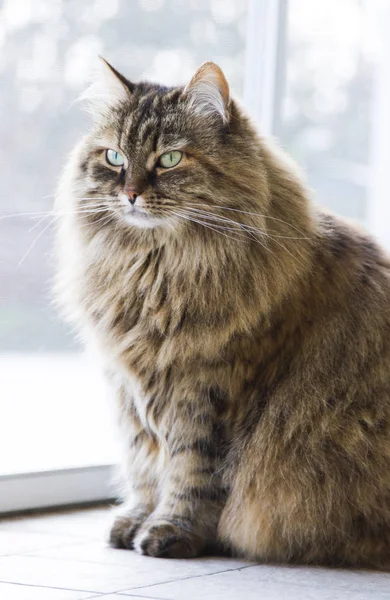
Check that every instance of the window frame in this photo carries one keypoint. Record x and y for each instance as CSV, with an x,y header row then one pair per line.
x,y
264,77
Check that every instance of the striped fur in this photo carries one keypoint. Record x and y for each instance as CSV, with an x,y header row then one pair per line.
x,y
248,349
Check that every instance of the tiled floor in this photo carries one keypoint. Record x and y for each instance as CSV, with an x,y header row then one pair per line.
x,y
63,556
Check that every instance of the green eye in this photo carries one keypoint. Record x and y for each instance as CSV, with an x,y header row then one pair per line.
x,y
170,159
114,158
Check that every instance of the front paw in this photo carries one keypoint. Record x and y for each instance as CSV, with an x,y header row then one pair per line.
x,y
124,529
167,540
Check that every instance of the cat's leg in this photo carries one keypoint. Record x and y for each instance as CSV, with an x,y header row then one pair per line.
x,y
185,521
140,493
140,475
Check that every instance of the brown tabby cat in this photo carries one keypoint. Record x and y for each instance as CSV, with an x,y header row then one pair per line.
x,y
246,333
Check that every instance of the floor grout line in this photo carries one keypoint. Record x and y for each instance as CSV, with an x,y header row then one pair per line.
x,y
146,597
51,587
267,579
146,587
124,596
31,554
78,560
131,596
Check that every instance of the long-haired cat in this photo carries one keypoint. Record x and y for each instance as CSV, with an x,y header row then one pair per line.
x,y
245,333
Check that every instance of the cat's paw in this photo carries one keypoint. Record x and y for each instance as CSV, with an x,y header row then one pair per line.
x,y
167,540
124,528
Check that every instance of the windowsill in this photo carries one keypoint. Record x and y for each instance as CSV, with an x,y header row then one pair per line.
x,y
29,491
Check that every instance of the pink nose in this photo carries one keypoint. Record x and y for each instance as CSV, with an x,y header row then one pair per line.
x,y
132,194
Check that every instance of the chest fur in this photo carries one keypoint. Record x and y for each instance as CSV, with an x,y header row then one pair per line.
x,y
151,312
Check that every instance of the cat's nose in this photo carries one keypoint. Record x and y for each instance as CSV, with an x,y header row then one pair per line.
x,y
132,195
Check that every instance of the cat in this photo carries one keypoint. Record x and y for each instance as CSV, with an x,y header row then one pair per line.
x,y
245,332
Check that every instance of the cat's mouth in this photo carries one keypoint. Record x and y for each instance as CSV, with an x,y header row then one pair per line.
x,y
138,217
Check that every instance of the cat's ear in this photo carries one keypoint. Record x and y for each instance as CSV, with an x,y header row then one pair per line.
x,y
109,87
208,91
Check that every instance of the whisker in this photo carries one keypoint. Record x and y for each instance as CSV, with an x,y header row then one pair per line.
x,y
254,233
250,233
235,224
258,231
240,234
93,198
39,222
79,215
210,218
249,213
35,241
294,256
207,226
39,214
102,220
241,229
246,226
76,197
31,214
84,216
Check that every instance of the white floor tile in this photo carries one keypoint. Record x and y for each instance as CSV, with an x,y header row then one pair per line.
x,y
141,570
255,583
68,550
17,542
9,591
73,575
124,597
319,577
87,523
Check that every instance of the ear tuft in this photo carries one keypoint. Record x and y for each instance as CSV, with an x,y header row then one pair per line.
x,y
208,91
108,87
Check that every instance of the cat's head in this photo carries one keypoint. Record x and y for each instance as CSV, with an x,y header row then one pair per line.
x,y
165,157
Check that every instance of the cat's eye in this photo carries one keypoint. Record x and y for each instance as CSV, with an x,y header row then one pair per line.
x,y
170,159
114,158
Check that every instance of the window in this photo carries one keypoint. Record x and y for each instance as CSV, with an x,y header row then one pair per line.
x,y
335,108
55,445
315,74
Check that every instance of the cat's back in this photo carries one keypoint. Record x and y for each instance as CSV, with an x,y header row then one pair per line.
x,y
341,354
350,268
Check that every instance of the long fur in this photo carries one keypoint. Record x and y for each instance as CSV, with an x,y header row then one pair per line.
x,y
245,336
